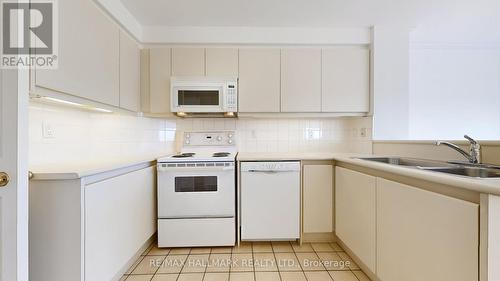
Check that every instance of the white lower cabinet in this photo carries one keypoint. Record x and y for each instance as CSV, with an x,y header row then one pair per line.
x,y
355,201
119,217
91,228
423,235
318,198
405,233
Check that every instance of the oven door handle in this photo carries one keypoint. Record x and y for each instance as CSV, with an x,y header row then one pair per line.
x,y
195,169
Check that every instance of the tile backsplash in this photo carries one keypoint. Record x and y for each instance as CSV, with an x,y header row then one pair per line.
x,y
61,135
349,134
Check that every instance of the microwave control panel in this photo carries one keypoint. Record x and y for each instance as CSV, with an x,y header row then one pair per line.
x,y
231,96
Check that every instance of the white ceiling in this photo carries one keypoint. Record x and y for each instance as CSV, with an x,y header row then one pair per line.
x,y
276,13
433,20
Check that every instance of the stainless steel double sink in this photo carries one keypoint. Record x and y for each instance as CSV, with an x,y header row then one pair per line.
x,y
465,169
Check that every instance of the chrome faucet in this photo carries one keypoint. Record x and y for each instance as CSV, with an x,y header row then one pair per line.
x,y
475,149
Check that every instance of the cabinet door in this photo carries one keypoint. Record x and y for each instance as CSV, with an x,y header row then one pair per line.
x,y
355,219
88,54
222,62
119,218
130,65
188,62
159,80
346,80
259,83
318,198
301,80
425,236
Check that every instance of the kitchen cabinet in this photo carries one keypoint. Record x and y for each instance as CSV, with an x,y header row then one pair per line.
x,y
301,80
188,62
91,228
345,80
423,235
318,198
259,80
131,216
222,62
130,66
88,57
158,100
355,217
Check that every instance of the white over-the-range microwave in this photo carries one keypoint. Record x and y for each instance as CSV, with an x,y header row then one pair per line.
x,y
204,96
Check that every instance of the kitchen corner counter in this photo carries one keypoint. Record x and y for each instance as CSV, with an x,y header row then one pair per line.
x,y
488,186
72,171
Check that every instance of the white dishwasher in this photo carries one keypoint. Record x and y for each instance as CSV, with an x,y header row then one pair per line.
x,y
270,200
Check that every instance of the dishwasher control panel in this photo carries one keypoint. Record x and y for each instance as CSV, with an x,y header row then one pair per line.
x,y
270,166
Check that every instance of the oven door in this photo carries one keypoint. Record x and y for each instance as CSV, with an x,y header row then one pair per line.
x,y
200,190
198,98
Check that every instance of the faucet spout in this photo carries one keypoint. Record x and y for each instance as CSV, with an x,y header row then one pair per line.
x,y
475,149
457,148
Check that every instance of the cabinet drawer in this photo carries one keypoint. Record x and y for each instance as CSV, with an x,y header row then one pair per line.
x,y
196,232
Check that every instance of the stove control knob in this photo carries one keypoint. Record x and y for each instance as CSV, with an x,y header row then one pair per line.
x,y
230,136
188,136
219,138
230,141
187,142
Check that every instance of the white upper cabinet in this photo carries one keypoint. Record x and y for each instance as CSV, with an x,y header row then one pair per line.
x,y
88,54
130,66
301,80
159,81
259,80
222,62
346,80
188,62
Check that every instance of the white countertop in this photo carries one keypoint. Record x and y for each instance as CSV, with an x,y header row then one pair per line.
x,y
490,186
69,171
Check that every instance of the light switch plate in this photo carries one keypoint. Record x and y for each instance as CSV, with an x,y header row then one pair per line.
x,y
48,131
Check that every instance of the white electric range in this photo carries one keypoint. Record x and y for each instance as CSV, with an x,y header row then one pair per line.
x,y
197,191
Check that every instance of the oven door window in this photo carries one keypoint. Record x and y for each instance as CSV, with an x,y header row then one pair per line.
x,y
196,184
198,97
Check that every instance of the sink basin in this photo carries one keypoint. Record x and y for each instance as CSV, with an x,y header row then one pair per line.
x,y
409,162
473,172
478,171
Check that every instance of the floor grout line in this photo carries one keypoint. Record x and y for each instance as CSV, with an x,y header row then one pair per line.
x,y
231,252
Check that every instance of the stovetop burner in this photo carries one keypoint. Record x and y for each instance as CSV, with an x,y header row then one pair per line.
x,y
221,154
184,155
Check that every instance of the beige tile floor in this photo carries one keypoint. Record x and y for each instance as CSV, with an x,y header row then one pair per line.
x,y
258,261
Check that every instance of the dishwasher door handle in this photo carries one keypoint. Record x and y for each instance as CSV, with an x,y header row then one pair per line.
x,y
271,171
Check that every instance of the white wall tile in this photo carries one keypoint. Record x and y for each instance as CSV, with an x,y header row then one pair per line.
x,y
291,135
83,136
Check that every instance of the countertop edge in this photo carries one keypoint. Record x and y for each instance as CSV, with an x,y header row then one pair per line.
x,y
48,173
488,186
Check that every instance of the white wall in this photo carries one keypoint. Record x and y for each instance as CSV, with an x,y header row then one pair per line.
x,y
390,82
291,135
89,137
454,91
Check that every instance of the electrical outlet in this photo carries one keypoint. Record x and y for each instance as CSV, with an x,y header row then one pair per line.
x,y
362,132
48,131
